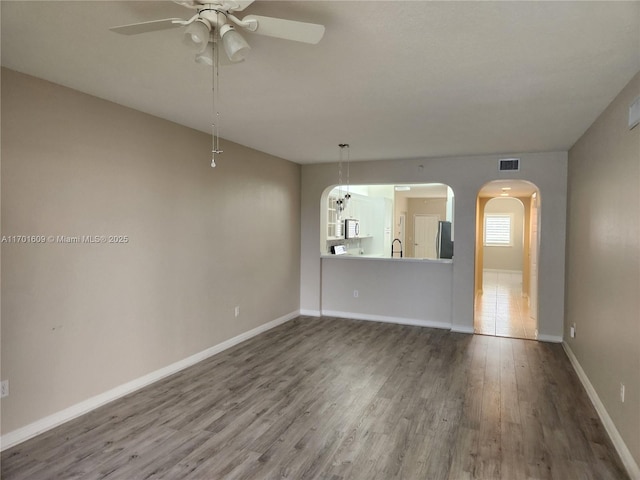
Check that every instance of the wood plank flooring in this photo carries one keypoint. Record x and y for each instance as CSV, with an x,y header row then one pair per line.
x,y
342,399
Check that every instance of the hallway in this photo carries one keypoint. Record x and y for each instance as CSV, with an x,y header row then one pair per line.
x,y
501,310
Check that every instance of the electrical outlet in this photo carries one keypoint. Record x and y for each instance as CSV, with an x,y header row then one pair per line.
x,y
237,310
622,392
355,294
573,330
4,388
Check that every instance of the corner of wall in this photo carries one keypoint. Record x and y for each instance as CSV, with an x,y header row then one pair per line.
x,y
632,467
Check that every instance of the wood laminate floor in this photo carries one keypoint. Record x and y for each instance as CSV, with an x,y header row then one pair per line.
x,y
340,399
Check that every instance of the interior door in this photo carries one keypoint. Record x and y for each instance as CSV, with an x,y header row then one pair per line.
x,y
425,230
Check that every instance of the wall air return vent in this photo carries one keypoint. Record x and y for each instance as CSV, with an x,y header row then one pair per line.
x,y
509,164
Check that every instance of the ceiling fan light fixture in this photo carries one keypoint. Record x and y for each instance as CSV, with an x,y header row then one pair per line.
x,y
197,35
235,46
206,56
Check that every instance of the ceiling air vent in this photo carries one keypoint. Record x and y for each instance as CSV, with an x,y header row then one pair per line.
x,y
509,164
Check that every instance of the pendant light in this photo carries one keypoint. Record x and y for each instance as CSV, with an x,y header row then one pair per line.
x,y
235,46
196,35
343,196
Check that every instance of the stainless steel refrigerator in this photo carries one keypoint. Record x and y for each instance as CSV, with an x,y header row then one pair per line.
x,y
444,244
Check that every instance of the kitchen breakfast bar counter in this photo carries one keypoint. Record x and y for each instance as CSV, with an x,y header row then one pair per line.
x,y
410,291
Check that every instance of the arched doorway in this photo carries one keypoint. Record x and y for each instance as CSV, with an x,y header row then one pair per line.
x,y
506,267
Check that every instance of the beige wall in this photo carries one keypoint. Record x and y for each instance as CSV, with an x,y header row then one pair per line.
x,y
507,257
424,296
526,249
481,203
465,176
80,319
603,261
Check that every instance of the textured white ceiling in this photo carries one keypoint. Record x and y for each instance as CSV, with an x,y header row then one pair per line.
x,y
517,188
394,79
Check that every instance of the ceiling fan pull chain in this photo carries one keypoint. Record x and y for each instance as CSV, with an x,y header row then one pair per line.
x,y
214,125
215,79
217,93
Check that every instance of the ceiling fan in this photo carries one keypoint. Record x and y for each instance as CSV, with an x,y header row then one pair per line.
x,y
215,20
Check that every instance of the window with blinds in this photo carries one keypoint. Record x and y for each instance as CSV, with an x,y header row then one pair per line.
x,y
497,230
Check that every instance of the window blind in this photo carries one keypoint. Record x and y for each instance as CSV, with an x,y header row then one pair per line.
x,y
497,230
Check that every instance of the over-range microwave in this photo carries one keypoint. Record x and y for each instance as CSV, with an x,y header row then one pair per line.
x,y
351,228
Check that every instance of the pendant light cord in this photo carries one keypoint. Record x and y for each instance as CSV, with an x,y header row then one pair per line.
x,y
339,202
342,201
348,196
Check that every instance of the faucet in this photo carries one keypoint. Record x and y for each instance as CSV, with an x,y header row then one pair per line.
x,y
396,251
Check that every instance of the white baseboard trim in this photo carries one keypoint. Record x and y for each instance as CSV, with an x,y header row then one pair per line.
x,y
310,313
550,338
385,319
462,329
20,435
625,455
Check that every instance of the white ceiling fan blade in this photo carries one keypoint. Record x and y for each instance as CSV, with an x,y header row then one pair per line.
x,y
286,29
144,27
237,5
187,3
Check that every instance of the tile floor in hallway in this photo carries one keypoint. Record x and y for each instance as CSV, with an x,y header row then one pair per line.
x,y
501,309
